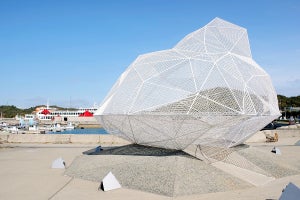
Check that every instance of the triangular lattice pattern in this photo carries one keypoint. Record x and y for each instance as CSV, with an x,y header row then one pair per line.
x,y
207,90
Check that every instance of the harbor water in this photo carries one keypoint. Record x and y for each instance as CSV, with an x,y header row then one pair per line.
x,y
82,131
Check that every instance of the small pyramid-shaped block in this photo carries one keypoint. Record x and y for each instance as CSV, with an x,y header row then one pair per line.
x,y
59,163
291,192
110,182
276,150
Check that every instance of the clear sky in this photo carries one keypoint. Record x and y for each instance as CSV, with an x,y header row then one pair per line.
x,y
71,52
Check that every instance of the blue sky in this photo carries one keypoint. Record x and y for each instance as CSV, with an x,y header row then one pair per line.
x,y
72,52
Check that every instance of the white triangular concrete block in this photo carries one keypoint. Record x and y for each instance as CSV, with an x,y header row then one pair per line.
x,y
110,182
59,163
276,151
291,192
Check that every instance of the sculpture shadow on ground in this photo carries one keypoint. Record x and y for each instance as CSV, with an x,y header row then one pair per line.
x,y
136,150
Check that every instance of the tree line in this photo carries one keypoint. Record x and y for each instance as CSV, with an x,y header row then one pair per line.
x,y
287,102
11,111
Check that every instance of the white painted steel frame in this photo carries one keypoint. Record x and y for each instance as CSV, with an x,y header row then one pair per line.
x,y
207,90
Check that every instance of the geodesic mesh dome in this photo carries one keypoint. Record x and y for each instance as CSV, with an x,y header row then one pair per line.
x,y
207,90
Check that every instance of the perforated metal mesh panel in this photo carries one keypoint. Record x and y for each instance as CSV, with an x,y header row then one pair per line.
x,y
207,90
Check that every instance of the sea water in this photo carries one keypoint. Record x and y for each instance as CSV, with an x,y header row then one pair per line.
x,y
82,131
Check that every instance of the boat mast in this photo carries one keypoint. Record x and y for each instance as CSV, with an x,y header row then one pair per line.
x,y
47,106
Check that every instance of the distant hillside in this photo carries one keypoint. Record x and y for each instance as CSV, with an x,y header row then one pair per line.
x,y
12,111
284,101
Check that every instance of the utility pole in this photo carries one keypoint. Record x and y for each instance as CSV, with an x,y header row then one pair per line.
x,y
70,102
285,112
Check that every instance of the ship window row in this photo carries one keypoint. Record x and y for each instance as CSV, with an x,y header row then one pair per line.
x,y
63,114
46,117
59,113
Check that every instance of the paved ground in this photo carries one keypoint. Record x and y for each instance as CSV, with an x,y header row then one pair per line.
x,y
26,173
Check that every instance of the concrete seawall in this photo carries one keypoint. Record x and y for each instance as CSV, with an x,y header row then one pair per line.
x,y
61,139
113,140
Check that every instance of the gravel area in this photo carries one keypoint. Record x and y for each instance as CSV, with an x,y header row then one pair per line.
x,y
238,160
165,172
276,165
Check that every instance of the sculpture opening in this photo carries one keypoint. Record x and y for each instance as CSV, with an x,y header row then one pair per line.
x,y
207,91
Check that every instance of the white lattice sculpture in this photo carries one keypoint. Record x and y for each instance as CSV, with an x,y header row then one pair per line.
x,y
207,90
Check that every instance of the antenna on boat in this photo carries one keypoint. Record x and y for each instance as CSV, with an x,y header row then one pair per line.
x,y
47,106
70,102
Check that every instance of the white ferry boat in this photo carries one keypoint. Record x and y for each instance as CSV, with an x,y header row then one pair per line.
x,y
51,114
